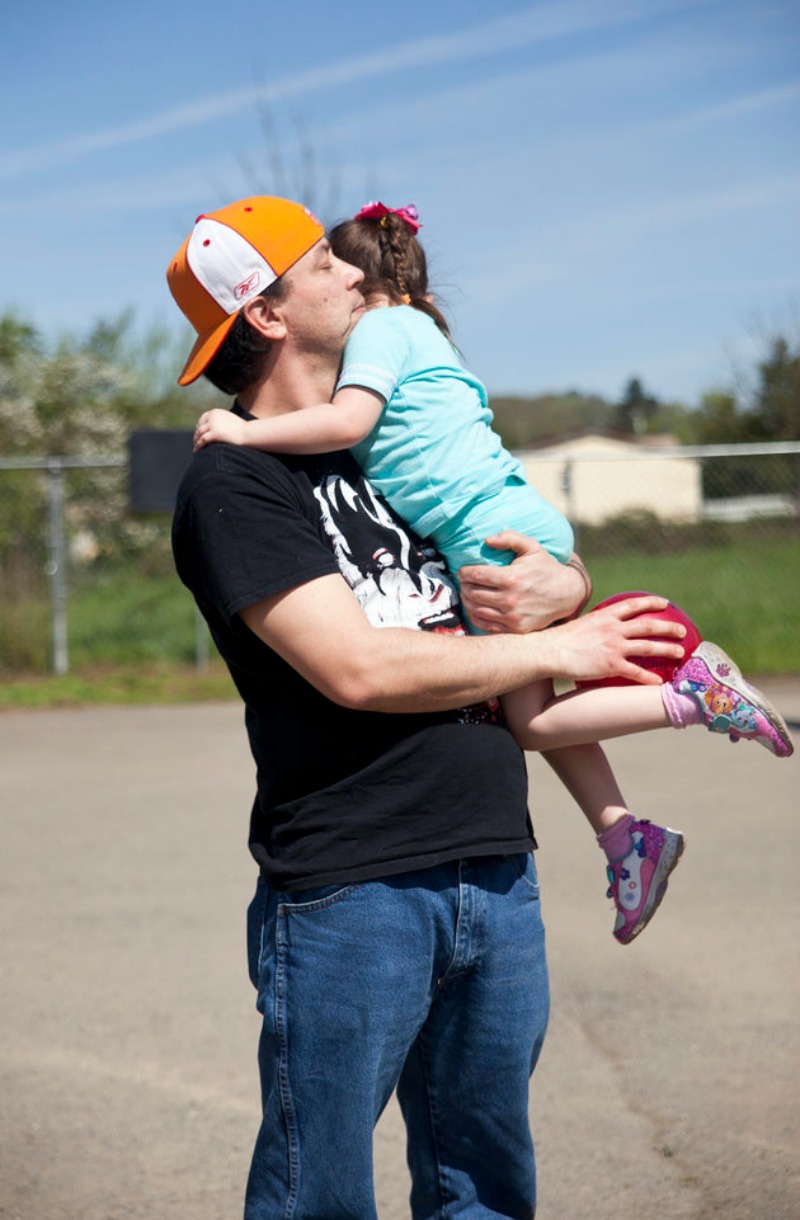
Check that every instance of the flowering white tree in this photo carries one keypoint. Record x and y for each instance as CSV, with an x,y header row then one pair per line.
x,y
81,398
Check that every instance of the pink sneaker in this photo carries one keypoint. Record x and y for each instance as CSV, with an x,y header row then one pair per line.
x,y
638,881
727,703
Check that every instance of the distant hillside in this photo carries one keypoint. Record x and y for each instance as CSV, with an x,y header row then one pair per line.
x,y
528,421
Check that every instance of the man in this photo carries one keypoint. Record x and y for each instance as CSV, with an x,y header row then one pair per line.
x,y
395,937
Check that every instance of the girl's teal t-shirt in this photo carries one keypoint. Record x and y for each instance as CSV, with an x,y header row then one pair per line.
x,y
433,452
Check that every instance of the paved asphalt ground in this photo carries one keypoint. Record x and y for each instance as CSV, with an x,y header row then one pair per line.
x,y
669,1082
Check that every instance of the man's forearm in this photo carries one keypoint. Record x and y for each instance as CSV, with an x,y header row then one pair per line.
x,y
417,671
321,631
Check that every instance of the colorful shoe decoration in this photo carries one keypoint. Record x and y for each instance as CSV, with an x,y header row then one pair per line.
x,y
638,882
728,704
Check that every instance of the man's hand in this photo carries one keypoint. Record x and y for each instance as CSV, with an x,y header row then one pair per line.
x,y
607,642
219,425
527,595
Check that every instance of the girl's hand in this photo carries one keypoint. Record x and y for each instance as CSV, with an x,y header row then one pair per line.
x,y
219,425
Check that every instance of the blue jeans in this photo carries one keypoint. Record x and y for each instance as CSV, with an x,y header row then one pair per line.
x,y
433,982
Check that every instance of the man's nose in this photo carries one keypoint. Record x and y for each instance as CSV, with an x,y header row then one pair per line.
x,y
353,275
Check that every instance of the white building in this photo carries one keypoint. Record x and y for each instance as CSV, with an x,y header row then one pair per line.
x,y
593,477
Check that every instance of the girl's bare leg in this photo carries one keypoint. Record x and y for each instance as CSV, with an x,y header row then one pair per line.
x,y
566,731
541,720
586,774
583,769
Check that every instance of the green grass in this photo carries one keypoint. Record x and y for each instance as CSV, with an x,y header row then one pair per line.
x,y
744,596
132,638
121,616
132,635
124,684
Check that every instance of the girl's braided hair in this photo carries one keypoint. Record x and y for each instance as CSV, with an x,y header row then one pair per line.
x,y
392,259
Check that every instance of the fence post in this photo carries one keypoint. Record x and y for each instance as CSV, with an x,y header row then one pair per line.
x,y
200,641
568,488
56,566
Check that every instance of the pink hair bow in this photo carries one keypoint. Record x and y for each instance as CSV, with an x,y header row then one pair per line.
x,y
376,211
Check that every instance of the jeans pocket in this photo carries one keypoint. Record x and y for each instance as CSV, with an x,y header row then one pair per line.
x,y
526,871
302,901
256,913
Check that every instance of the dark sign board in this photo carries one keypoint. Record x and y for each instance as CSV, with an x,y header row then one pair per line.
x,y
158,458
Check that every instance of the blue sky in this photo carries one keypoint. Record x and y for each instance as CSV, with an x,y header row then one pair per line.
x,y
608,188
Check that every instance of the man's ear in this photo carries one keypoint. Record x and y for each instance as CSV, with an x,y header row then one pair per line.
x,y
265,316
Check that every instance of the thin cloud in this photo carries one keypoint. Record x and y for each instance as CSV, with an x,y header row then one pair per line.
x,y
734,108
694,207
557,95
559,253
540,24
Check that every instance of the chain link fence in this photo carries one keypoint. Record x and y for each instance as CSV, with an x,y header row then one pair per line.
x,y
87,583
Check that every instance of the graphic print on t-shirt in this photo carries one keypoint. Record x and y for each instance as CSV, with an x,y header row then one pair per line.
x,y
398,580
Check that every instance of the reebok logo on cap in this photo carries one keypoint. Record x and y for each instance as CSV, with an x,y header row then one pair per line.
x,y
247,286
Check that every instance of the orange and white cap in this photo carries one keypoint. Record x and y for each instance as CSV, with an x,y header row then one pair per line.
x,y
231,256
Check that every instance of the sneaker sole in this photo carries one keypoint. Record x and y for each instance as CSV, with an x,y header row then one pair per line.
x,y
713,656
667,862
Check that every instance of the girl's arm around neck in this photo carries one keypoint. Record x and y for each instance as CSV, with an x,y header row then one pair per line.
x,y
323,428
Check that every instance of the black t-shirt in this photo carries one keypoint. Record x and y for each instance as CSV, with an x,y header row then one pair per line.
x,y
341,795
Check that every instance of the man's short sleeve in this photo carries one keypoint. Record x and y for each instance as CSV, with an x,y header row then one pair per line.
x,y
245,529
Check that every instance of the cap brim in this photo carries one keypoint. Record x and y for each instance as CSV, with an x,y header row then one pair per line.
x,y
205,349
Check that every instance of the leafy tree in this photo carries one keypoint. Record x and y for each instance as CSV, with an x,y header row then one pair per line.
x,y
766,410
675,420
16,337
20,360
773,412
636,409
719,420
81,397
530,421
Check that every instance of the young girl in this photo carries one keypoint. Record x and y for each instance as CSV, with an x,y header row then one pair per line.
x,y
419,425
